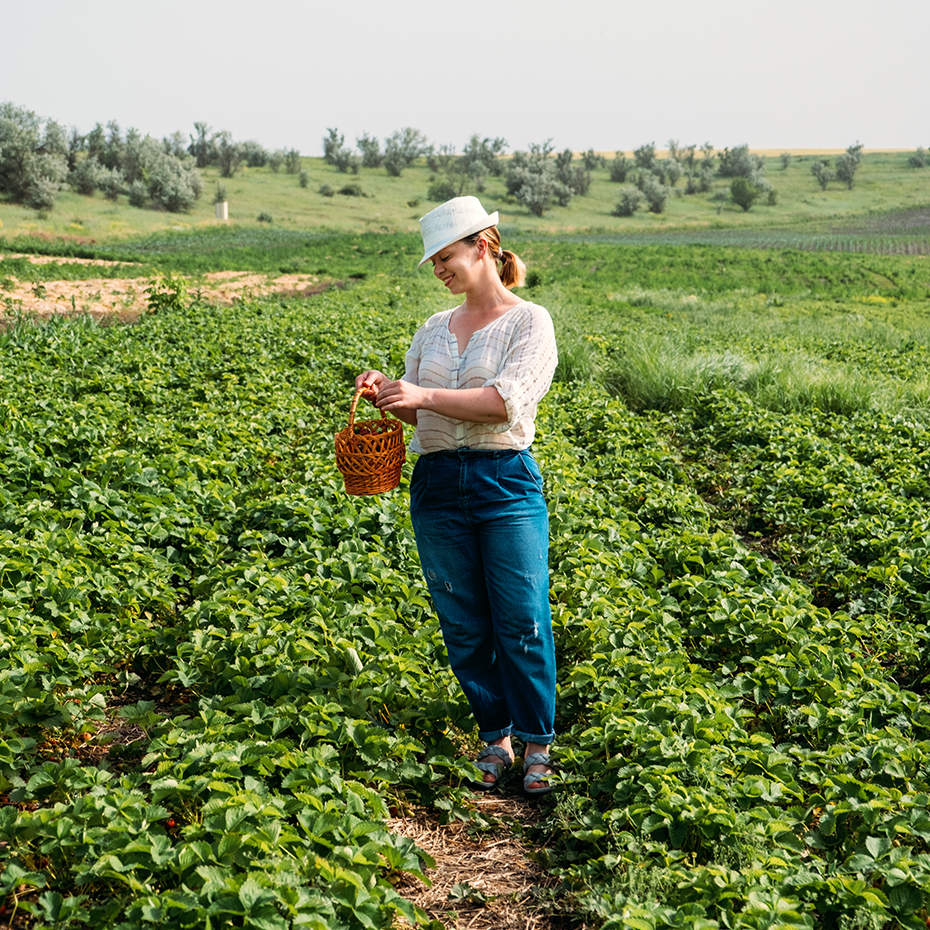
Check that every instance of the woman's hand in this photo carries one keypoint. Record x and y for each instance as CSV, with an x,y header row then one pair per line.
x,y
373,381
395,396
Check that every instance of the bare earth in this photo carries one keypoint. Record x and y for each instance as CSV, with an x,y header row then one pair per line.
x,y
124,298
495,866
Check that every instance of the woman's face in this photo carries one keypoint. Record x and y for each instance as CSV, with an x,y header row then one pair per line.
x,y
457,265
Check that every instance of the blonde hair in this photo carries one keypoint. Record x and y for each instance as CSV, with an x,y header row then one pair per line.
x,y
512,271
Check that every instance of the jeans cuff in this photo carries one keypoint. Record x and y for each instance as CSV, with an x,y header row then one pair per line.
x,y
490,735
545,739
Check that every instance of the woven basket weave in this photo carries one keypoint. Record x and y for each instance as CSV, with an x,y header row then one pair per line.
x,y
371,453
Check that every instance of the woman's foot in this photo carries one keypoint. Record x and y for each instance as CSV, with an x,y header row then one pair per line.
x,y
494,760
536,762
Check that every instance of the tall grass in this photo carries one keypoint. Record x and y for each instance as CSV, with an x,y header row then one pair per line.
x,y
664,374
665,350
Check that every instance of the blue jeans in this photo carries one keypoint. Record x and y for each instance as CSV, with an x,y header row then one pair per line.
x,y
482,532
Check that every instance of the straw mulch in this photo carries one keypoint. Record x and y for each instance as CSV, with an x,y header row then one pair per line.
x,y
495,864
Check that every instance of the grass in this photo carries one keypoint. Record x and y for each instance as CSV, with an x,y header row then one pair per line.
x,y
664,350
884,183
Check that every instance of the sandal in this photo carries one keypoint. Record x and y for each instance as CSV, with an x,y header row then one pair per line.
x,y
496,768
537,758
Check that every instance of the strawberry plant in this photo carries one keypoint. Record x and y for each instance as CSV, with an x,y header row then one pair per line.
x,y
218,673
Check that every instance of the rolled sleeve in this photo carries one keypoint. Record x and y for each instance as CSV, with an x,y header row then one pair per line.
x,y
527,369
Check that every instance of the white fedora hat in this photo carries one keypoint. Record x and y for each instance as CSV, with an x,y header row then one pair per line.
x,y
453,220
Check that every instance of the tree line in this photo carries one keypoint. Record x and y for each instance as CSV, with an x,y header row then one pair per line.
x,y
540,176
40,157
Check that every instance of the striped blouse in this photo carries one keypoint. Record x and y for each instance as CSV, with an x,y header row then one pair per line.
x,y
515,354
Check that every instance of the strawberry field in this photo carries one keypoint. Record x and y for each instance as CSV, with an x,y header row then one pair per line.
x,y
220,675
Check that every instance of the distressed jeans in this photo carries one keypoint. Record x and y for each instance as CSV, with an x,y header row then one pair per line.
x,y
482,532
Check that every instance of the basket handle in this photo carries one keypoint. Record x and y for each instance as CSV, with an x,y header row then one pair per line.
x,y
355,401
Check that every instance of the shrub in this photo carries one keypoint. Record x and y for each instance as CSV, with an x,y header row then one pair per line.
x,y
43,191
347,161
174,145
577,180
255,155
33,157
332,142
326,191
741,163
645,156
370,149
402,148
591,161
173,185
481,158
848,164
743,192
706,176
291,161
138,194
441,190
536,190
111,183
919,158
166,292
85,177
303,179
620,167
772,198
229,155
671,170
276,160
533,179
136,154
655,192
785,160
352,190
220,194
202,145
631,200
692,186
264,217
449,173
823,173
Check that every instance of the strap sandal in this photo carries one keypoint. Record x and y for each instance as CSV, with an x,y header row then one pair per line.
x,y
537,758
496,768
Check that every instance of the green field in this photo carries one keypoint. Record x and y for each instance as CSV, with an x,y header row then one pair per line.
x,y
884,183
220,675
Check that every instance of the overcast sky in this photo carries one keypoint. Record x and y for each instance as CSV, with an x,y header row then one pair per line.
x,y
602,74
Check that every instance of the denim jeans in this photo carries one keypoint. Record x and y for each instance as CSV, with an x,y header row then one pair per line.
x,y
482,532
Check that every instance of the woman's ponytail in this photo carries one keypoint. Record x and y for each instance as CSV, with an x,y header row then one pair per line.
x,y
512,271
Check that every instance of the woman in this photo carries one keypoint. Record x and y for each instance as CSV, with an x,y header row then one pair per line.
x,y
474,375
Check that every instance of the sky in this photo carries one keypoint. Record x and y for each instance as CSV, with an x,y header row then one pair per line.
x,y
791,74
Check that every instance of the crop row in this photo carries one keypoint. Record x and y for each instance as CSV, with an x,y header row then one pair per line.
x,y
219,674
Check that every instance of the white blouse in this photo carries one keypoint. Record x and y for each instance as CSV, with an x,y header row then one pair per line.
x,y
515,354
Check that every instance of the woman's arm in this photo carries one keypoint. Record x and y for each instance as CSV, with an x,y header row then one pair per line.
x,y
474,405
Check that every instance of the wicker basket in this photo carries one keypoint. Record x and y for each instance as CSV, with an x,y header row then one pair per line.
x,y
370,454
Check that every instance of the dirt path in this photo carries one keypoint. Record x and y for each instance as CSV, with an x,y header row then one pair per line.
x,y
482,881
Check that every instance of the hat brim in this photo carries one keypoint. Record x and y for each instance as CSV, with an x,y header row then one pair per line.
x,y
485,223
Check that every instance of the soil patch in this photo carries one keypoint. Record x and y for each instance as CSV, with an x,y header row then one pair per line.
x,y
123,299
481,881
